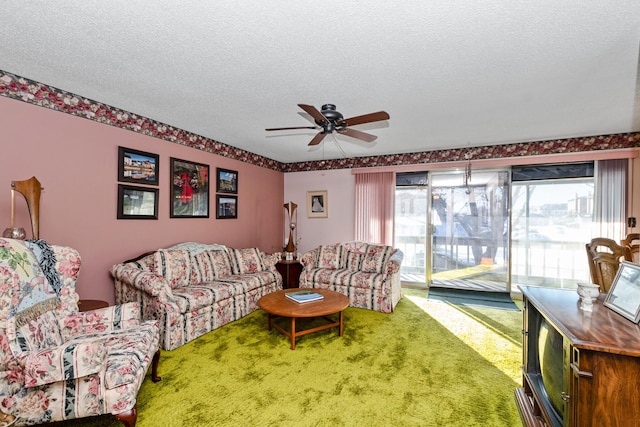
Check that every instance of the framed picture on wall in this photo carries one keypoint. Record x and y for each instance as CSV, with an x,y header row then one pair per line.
x,y
137,202
226,181
189,189
317,204
137,166
226,207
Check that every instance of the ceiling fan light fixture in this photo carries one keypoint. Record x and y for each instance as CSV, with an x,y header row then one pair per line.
x,y
330,120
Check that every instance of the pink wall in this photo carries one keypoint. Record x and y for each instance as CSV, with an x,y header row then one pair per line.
x,y
76,161
339,226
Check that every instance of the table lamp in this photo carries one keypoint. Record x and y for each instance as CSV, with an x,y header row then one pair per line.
x,y
30,189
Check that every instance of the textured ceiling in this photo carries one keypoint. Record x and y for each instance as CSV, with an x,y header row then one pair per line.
x,y
450,74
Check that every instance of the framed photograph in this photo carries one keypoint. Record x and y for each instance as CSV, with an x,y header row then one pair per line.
x,y
189,189
317,204
227,181
137,166
137,202
624,295
226,206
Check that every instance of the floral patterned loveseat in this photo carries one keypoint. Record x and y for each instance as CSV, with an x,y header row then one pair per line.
x,y
57,363
368,274
193,288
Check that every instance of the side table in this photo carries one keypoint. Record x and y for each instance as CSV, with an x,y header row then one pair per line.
x,y
91,304
290,272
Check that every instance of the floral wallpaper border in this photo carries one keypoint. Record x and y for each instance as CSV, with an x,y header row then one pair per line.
x,y
42,95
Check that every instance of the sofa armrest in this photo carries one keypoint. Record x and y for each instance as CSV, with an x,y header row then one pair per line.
x,y
269,260
73,359
102,320
394,262
150,283
310,259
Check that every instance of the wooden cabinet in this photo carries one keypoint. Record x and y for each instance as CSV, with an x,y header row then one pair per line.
x,y
91,304
600,363
290,272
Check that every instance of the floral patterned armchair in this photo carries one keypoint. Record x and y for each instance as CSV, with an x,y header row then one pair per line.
x,y
57,363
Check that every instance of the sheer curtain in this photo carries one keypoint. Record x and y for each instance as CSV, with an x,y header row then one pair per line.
x,y
611,198
375,206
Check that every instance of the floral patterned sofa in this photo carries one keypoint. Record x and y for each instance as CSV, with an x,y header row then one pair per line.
x,y
368,274
193,288
57,363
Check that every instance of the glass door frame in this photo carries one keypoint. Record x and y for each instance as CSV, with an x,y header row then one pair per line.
x,y
457,175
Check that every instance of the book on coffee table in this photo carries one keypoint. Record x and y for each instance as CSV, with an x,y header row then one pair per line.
x,y
303,296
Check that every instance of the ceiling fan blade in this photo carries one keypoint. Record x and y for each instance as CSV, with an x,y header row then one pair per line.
x,y
367,137
296,127
318,138
313,112
365,118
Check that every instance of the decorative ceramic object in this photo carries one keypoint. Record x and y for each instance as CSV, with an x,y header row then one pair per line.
x,y
588,294
15,233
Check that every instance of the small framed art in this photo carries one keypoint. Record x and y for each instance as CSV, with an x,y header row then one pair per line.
x,y
137,166
624,295
137,202
189,189
317,204
226,206
226,181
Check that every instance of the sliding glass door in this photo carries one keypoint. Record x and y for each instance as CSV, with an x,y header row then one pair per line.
x,y
469,230
496,229
453,232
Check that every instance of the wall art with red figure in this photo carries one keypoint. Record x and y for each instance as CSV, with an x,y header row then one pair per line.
x,y
189,189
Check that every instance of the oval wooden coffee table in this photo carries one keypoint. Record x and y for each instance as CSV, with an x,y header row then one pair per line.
x,y
276,304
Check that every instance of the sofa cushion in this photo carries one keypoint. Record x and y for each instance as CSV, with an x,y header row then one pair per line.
x,y
375,258
251,281
245,261
221,263
209,265
174,266
328,278
196,297
354,260
362,280
146,263
331,256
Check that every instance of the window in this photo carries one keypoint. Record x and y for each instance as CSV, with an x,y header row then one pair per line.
x,y
552,210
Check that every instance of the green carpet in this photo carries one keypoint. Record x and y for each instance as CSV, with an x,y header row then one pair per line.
x,y
427,364
498,300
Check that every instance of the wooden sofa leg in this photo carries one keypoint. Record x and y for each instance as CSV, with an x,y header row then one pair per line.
x,y
154,367
130,417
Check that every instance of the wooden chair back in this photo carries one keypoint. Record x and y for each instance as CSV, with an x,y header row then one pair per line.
x,y
632,241
604,257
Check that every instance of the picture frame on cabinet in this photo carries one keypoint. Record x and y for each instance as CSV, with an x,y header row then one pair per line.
x,y
317,204
226,181
189,189
624,295
138,166
135,202
226,207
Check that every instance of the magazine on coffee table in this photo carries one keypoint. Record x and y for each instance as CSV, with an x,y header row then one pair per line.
x,y
303,296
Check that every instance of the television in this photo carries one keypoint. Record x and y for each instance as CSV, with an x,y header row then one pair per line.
x,y
579,367
547,366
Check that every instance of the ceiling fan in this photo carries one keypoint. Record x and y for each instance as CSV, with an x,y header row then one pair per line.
x,y
330,120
